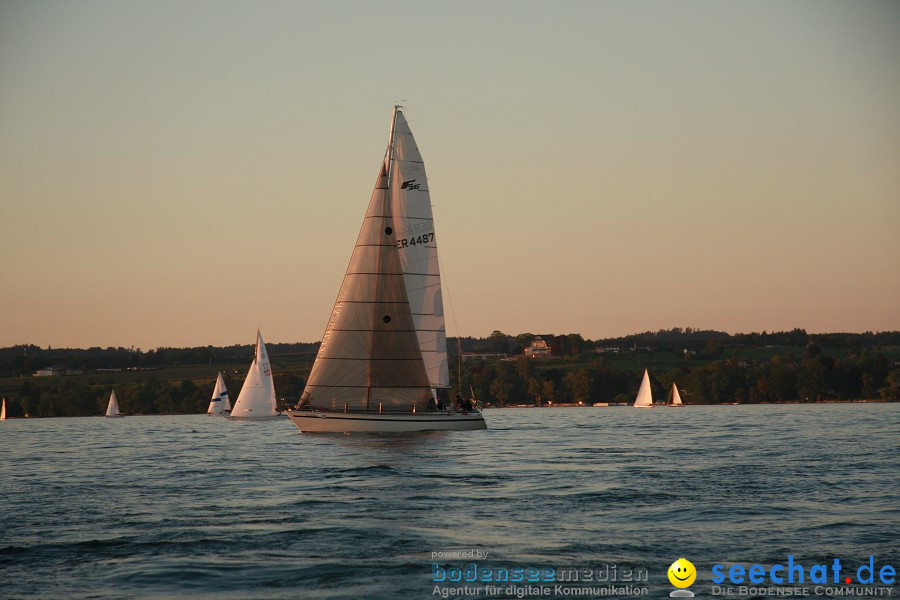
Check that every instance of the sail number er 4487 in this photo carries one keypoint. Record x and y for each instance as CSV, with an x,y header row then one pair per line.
x,y
415,241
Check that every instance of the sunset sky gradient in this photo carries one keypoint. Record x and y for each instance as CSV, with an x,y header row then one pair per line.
x,y
181,173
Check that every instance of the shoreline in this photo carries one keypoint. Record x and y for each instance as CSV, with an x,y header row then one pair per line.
x,y
614,405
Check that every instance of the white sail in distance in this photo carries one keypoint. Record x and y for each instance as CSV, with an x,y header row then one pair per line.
x,y
644,396
370,356
112,409
417,244
219,398
3,411
257,397
676,397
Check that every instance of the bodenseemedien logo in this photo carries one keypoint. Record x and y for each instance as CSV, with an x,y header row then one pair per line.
x,y
682,574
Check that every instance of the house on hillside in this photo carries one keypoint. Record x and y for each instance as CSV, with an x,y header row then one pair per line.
x,y
56,371
537,348
52,371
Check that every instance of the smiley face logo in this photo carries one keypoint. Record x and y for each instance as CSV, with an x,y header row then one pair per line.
x,y
682,573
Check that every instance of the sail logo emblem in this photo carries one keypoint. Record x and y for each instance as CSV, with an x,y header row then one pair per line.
x,y
410,185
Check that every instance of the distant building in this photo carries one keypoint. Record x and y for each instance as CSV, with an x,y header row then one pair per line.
x,y
538,348
56,371
607,349
53,371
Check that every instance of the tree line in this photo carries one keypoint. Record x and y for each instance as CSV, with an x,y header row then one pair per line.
x,y
810,377
708,366
77,397
25,359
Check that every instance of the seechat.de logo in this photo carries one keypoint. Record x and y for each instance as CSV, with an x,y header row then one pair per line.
x,y
793,572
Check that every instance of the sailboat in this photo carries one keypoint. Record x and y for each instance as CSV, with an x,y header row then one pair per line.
x,y
3,411
257,397
644,396
112,409
676,397
219,398
383,356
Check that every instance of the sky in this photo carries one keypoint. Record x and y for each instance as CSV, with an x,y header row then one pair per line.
x,y
180,173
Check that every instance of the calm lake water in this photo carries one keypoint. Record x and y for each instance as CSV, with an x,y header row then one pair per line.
x,y
200,507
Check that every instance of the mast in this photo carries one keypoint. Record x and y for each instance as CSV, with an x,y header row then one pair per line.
x,y
459,363
390,148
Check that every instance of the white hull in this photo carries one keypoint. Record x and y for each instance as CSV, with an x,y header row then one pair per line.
x,y
326,422
264,418
114,416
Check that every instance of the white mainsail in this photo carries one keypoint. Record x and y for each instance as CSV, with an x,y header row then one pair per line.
x,y
112,409
676,397
219,398
3,411
644,396
415,237
370,359
370,374
257,397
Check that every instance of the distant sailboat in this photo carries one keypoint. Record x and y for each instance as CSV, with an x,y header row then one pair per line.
x,y
644,396
257,397
112,409
676,397
219,398
3,411
384,353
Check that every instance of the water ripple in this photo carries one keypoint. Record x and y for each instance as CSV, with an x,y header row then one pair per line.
x,y
199,507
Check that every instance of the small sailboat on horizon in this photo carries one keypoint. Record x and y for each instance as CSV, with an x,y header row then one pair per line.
x,y
219,399
644,397
112,408
676,397
3,411
256,400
